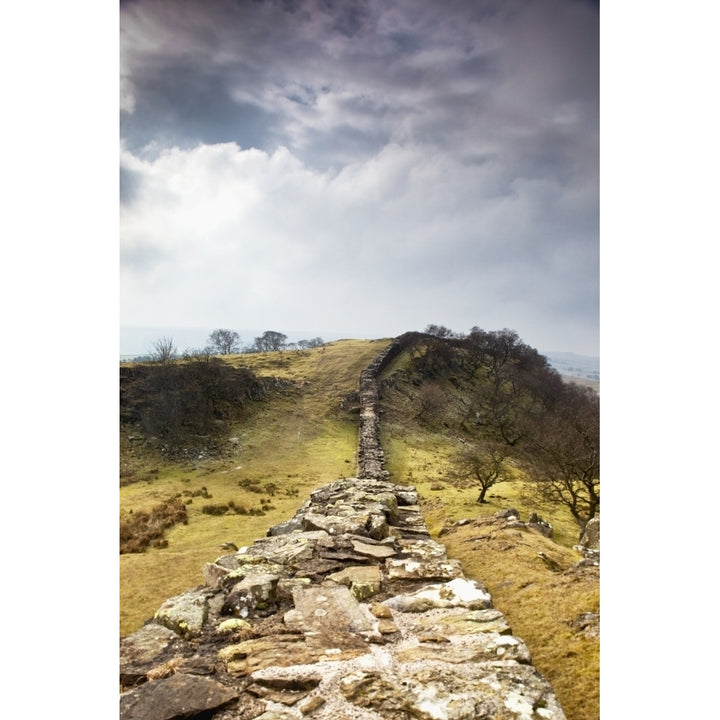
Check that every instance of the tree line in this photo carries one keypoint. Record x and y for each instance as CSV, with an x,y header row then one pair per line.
x,y
517,412
227,342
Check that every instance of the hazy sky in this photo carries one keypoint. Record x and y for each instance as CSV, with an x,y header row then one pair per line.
x,y
363,167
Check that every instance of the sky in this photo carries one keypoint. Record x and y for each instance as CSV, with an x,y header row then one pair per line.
x,y
361,168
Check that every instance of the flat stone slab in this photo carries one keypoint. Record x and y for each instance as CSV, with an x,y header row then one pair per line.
x,y
419,569
374,551
456,593
150,646
177,696
337,524
478,648
332,618
286,549
278,651
458,621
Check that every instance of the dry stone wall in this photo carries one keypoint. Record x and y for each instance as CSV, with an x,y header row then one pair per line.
x,y
370,456
347,611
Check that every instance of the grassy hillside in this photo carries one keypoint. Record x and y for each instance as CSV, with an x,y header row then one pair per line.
x,y
303,434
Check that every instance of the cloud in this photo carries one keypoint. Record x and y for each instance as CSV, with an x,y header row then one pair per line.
x,y
460,74
311,163
266,236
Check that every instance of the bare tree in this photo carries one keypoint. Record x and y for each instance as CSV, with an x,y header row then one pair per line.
x,y
224,342
483,463
432,400
304,344
270,341
439,331
164,350
562,452
204,354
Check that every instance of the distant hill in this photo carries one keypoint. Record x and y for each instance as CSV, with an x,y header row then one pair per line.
x,y
569,364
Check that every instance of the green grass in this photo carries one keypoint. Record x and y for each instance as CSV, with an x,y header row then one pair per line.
x,y
423,459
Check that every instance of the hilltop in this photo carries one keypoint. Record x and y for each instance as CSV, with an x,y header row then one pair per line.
x,y
261,460
136,342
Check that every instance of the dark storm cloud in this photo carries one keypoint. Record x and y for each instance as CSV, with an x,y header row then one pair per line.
x,y
185,105
349,19
202,75
276,73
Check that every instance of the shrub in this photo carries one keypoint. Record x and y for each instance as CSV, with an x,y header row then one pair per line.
x,y
251,484
140,529
215,509
183,399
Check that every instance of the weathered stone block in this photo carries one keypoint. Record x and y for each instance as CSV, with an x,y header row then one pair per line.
x,y
175,697
364,581
456,593
184,614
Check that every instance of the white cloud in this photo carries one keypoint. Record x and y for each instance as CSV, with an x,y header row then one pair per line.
x,y
405,238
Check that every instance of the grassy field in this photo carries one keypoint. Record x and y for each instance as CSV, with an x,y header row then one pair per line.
x,y
305,436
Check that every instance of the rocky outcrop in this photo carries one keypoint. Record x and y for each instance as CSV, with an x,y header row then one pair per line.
x,y
350,610
506,519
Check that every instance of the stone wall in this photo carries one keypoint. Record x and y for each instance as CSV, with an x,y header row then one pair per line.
x,y
347,611
370,456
